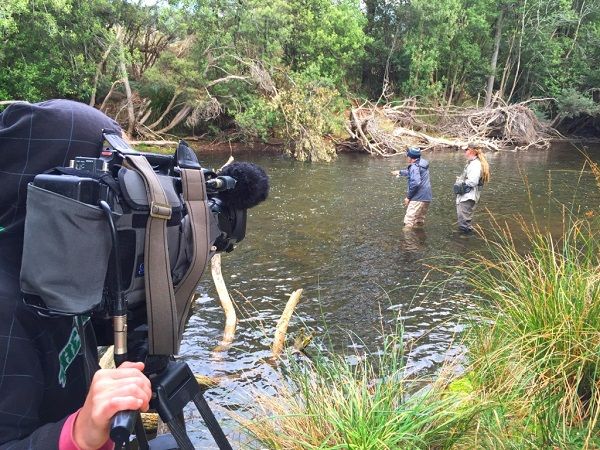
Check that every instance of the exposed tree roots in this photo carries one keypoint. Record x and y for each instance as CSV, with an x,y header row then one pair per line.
x,y
387,130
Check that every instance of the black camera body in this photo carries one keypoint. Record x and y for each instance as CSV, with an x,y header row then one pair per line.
x,y
108,178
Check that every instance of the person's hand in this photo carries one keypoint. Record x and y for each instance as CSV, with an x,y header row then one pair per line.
x,y
395,173
406,202
111,391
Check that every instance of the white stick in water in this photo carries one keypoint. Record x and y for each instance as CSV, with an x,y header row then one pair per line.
x,y
284,320
226,302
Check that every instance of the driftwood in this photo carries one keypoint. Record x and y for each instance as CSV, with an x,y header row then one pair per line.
x,y
282,324
226,303
387,130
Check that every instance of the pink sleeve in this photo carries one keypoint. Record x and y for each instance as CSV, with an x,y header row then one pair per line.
x,y
66,441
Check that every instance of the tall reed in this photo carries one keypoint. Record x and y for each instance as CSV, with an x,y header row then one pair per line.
x,y
536,348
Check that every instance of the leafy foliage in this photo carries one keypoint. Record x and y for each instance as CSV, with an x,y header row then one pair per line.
x,y
572,103
50,47
308,110
185,57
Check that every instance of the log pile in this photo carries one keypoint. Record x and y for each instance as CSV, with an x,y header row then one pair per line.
x,y
389,129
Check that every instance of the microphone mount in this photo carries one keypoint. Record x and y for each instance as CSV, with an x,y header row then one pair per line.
x,y
220,183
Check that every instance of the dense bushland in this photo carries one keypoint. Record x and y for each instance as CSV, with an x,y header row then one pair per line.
x,y
208,67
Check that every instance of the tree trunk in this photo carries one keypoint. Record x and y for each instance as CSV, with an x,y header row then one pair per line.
x,y
109,95
123,68
166,111
507,67
517,74
452,85
179,117
98,73
494,61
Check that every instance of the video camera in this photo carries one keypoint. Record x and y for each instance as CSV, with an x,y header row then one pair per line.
x,y
126,237
91,228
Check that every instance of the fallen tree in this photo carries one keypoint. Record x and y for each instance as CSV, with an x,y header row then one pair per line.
x,y
387,130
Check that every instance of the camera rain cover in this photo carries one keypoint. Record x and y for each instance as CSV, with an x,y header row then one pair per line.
x,y
66,252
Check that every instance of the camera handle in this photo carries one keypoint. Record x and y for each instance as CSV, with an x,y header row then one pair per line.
x,y
172,389
123,422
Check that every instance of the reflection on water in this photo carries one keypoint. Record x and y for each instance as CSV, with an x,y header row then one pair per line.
x,y
413,239
336,231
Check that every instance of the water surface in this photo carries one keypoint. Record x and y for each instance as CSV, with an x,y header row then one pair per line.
x,y
335,230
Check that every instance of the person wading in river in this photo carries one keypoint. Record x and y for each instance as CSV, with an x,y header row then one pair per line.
x,y
418,195
468,187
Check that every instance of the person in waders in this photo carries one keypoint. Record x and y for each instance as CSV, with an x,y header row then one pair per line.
x,y
418,195
468,187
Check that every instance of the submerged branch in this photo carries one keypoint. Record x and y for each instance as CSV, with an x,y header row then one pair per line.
x,y
282,324
226,302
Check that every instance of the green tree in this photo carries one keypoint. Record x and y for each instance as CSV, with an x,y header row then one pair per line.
x,y
549,46
468,54
434,27
327,38
50,47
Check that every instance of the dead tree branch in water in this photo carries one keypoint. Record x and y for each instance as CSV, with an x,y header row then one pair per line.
x,y
387,130
282,324
226,303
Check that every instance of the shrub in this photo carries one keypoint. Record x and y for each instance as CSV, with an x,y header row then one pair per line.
x,y
572,103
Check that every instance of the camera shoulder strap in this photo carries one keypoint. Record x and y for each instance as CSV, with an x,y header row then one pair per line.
x,y
194,196
161,307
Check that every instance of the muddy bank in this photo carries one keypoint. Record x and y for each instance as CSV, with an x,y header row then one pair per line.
x,y
232,147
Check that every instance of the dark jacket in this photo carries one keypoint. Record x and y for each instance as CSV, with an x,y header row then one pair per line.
x,y
419,186
45,363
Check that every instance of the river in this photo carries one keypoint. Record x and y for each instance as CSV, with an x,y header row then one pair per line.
x,y
335,230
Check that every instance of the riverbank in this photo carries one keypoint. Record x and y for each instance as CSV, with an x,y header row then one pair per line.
x,y
387,130
276,147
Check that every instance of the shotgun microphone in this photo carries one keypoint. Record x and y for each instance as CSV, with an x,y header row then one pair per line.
x,y
251,185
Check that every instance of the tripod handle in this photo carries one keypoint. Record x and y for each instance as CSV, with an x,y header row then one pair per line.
x,y
121,426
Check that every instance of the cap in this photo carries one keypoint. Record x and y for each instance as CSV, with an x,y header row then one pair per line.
x,y
413,152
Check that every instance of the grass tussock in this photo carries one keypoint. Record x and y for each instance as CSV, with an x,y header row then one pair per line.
x,y
329,403
536,347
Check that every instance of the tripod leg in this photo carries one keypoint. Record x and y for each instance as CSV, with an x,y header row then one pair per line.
x,y
211,422
178,431
140,433
173,389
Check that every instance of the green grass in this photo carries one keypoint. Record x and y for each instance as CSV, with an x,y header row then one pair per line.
x,y
536,345
162,150
328,403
